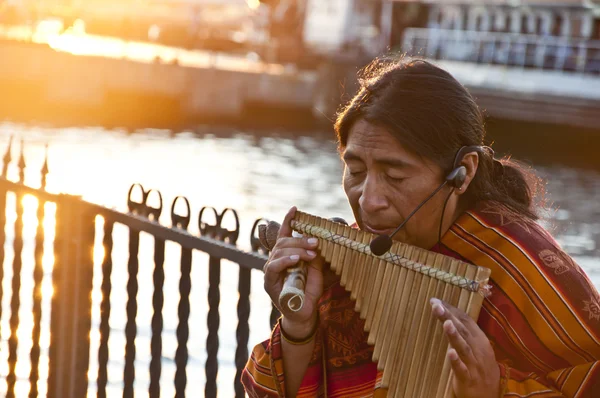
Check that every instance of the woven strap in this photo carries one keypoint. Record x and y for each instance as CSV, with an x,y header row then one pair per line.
x,y
460,281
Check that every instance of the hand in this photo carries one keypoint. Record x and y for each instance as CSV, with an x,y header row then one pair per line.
x,y
286,253
476,372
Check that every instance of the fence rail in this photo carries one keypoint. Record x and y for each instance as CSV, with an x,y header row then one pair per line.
x,y
70,320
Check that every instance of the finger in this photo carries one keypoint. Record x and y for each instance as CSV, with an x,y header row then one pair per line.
x,y
458,335
305,255
464,319
275,265
283,263
444,311
438,309
286,228
273,269
461,371
458,343
306,243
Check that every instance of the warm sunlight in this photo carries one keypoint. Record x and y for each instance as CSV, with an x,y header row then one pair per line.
x,y
112,111
81,44
47,290
253,4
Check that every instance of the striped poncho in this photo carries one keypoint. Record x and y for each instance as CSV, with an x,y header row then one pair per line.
x,y
542,319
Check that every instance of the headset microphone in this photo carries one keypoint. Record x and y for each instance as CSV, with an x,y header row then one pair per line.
x,y
380,245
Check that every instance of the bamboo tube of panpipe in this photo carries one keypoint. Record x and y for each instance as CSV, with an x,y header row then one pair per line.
x,y
390,272
424,337
363,274
391,339
451,296
350,261
400,367
465,298
461,303
437,349
388,313
335,256
354,275
369,306
338,251
362,302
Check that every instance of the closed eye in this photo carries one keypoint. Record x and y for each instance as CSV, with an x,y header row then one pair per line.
x,y
355,168
355,173
396,179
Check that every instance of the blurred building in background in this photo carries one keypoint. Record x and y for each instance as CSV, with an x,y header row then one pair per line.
x,y
530,60
524,60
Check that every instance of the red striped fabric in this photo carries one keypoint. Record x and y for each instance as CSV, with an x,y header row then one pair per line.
x,y
542,319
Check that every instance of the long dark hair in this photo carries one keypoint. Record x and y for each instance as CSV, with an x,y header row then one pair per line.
x,y
433,115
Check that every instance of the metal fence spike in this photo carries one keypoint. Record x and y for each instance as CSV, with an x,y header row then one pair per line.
x,y
7,158
133,206
179,221
155,212
21,163
45,170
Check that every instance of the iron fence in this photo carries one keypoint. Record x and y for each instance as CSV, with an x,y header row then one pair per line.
x,y
72,242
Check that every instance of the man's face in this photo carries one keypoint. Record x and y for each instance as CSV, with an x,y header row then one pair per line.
x,y
384,183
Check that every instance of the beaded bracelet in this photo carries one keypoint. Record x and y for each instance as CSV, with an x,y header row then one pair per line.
x,y
302,341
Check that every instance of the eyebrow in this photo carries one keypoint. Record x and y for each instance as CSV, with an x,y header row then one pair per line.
x,y
386,161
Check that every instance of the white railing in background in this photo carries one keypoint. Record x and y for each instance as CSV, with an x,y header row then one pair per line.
x,y
510,49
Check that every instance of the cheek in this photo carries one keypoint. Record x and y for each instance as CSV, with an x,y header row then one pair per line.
x,y
352,190
408,196
429,214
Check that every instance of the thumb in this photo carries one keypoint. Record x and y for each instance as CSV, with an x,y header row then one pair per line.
x,y
286,228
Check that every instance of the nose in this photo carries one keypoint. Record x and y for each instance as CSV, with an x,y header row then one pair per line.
x,y
372,198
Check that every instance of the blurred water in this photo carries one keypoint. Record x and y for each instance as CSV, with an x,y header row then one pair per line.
x,y
75,41
258,174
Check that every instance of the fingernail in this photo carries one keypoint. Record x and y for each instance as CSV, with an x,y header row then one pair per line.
x,y
437,307
311,253
294,257
452,354
434,301
313,241
451,328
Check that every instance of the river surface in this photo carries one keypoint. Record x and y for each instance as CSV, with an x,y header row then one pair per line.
x,y
260,174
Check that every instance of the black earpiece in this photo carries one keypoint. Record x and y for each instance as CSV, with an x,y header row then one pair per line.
x,y
457,177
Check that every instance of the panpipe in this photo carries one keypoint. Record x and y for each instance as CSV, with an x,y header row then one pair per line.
x,y
392,294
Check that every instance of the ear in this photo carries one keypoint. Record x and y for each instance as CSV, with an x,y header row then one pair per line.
x,y
471,162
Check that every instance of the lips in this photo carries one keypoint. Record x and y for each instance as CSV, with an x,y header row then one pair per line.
x,y
378,229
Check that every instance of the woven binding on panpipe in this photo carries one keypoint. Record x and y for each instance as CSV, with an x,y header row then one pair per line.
x,y
392,294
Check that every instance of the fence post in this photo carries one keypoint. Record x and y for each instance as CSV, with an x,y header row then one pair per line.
x,y
70,319
243,330
5,161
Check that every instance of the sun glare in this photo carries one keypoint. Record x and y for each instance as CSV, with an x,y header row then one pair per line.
x,y
253,4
